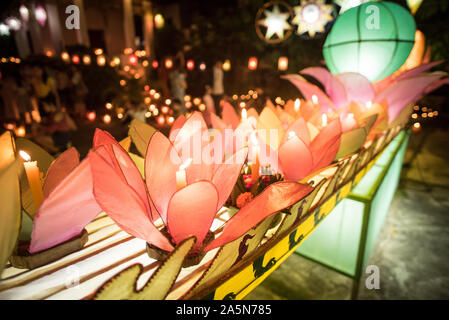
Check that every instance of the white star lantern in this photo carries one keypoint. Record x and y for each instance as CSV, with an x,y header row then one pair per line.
x,y
312,16
348,4
276,23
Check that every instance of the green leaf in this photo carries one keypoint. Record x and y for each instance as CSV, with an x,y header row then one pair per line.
x,y
123,285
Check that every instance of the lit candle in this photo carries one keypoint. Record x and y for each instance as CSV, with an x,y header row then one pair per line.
x,y
369,104
181,180
32,172
315,99
255,165
244,114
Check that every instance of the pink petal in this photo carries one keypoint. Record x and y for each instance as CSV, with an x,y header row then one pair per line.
x,y
69,208
226,175
273,199
161,164
217,123
333,87
295,159
417,71
358,88
230,117
133,177
299,127
122,203
103,138
401,93
191,138
328,155
191,212
59,169
123,165
308,90
177,125
325,145
329,133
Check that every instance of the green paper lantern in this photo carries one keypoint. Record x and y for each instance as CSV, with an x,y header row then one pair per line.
x,y
373,39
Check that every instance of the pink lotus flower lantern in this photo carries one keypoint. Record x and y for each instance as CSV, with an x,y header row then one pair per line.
x,y
182,190
68,204
301,149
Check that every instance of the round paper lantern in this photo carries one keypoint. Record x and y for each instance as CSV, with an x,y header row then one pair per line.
x,y
373,39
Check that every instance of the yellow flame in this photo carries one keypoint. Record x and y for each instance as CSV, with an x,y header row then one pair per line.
x,y
25,156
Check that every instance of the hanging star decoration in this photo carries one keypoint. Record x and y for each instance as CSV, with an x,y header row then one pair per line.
x,y
312,16
275,22
348,4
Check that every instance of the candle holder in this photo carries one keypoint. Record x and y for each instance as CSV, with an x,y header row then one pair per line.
x,y
22,259
193,258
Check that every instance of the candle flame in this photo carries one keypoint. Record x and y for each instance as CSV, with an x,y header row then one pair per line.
x,y
315,99
369,104
291,134
297,104
324,119
185,164
25,156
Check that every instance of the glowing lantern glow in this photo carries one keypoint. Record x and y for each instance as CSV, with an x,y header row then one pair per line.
x,y
91,115
4,30
98,51
312,16
168,63
155,64
20,131
167,101
202,66
109,106
133,59
86,59
49,53
116,61
364,36
24,13
196,101
120,115
161,120
75,59
190,65
275,22
122,83
157,95
202,107
145,63
242,104
107,119
101,61
283,63
128,51
41,15
159,21
65,56
164,109
226,65
252,63
170,120
13,23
